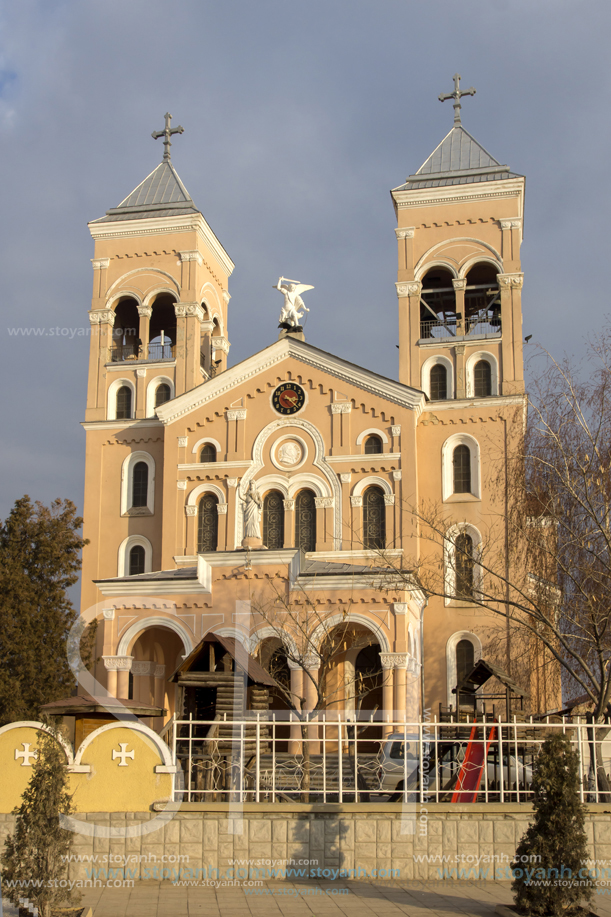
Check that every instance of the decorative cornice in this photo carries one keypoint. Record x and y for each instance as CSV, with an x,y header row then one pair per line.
x,y
99,264
181,485
143,668
207,326
236,414
511,280
185,309
191,256
141,373
102,317
145,311
220,343
160,225
511,224
356,501
226,296
389,499
221,509
405,233
345,478
323,502
341,407
396,429
159,671
396,475
459,285
289,505
117,663
191,510
413,288
395,660
109,614
183,441
232,482
399,608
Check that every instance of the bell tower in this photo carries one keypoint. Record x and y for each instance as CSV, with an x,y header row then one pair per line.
x,y
459,280
159,306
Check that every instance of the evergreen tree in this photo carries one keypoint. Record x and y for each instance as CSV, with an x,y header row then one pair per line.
x,y
39,560
554,847
36,854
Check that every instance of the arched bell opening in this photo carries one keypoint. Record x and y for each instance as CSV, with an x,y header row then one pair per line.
x,y
482,300
438,315
162,328
126,331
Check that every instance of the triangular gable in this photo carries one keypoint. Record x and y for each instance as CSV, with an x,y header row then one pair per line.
x,y
368,381
457,151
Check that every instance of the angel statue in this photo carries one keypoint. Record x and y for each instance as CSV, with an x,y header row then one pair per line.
x,y
290,317
252,512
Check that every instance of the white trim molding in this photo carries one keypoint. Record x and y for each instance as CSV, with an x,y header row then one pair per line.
x,y
449,562
132,633
447,467
113,388
372,431
127,483
474,358
425,378
151,391
193,498
123,554
371,480
451,668
202,442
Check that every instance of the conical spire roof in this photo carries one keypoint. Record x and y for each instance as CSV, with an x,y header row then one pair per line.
x,y
458,160
162,193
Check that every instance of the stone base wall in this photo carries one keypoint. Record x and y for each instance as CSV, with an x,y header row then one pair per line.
x,y
379,842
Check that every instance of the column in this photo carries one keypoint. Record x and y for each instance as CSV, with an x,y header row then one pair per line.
x,y
191,514
412,704
296,691
140,405
346,512
387,692
409,363
206,328
220,349
221,509
400,683
102,323
180,347
396,476
510,286
356,506
235,433
144,330
312,665
459,293
159,675
232,484
389,507
461,381
324,516
117,679
289,523
341,441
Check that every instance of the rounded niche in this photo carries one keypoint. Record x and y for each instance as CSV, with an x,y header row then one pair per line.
x,y
289,452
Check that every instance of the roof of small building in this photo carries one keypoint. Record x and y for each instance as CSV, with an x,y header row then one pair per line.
x,y
162,193
86,704
243,660
458,160
482,672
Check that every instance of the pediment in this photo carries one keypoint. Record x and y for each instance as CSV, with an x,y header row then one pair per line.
x,y
341,373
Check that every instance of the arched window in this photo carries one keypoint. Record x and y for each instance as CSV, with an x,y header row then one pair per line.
x,y
438,382
305,521
162,394
124,403
374,518
465,659
208,453
461,462
140,483
463,559
136,560
482,379
273,520
373,445
207,524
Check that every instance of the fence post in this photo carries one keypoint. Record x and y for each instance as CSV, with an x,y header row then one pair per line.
x,y
340,774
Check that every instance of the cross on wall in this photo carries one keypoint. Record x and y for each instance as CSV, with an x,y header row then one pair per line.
x,y
123,754
26,754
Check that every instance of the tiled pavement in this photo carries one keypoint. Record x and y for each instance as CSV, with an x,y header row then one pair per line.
x,y
312,899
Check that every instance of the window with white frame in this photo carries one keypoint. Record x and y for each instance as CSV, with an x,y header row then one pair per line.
x,y
121,400
138,485
482,372
135,556
460,468
463,572
463,651
438,378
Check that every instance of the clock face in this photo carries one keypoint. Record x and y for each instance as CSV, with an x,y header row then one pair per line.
x,y
288,398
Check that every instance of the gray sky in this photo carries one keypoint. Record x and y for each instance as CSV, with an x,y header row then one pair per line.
x,y
299,118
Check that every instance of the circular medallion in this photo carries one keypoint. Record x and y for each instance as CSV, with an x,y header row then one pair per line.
x,y
289,453
288,398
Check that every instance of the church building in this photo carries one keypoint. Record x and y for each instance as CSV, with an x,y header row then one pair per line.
x,y
218,496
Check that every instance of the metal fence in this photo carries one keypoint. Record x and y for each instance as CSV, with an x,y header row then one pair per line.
x,y
480,327
265,759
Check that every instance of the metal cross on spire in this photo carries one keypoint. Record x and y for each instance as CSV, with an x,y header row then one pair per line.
x,y
167,133
457,96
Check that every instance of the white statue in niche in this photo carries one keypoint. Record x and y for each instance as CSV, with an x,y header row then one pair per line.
x,y
289,453
290,316
252,512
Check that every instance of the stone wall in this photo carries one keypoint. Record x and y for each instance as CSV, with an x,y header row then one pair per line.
x,y
362,837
